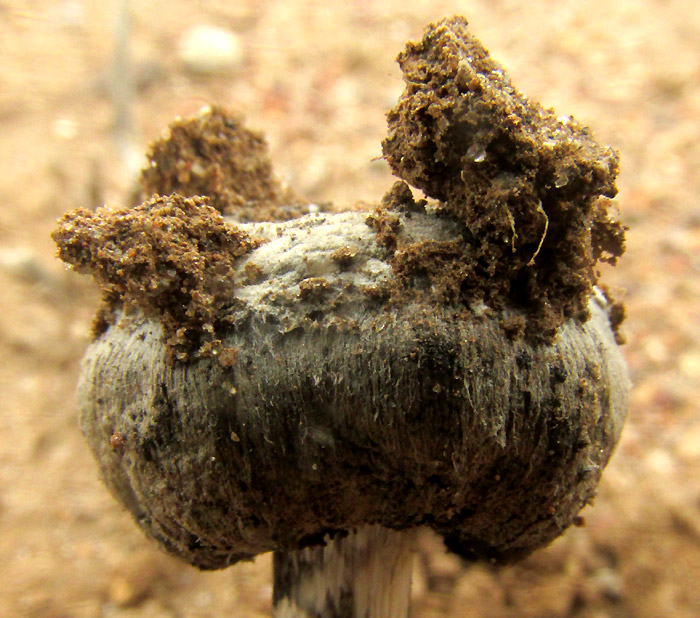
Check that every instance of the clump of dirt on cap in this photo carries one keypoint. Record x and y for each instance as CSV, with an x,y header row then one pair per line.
x,y
172,257
529,186
212,154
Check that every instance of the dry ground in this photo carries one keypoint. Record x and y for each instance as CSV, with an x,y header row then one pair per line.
x,y
317,76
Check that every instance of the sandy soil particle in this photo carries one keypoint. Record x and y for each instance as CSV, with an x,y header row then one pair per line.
x,y
444,265
400,197
343,256
526,183
172,257
386,225
313,288
214,155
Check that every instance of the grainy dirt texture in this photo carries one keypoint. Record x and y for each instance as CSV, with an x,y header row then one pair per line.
x,y
318,77
528,184
171,257
212,154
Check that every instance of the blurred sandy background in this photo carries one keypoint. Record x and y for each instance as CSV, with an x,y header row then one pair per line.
x,y
317,77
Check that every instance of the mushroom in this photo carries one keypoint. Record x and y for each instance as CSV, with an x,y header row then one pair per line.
x,y
321,387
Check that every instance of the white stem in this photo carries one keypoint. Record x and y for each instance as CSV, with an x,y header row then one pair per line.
x,y
366,574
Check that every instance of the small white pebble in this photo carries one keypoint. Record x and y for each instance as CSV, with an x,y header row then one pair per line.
x,y
688,447
65,128
476,152
655,349
22,263
660,462
209,50
689,365
203,599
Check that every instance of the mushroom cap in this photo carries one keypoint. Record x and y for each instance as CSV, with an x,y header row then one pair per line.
x,y
339,410
450,366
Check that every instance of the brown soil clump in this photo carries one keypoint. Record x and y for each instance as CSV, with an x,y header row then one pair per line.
x,y
172,257
526,183
214,155
400,197
386,225
442,265
343,256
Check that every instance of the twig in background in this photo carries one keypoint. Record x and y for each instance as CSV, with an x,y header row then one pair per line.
x,y
123,92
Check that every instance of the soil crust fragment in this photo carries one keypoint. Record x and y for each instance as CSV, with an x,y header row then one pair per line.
x,y
529,186
172,257
214,155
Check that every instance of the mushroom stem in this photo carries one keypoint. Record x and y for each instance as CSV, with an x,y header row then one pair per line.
x,y
366,574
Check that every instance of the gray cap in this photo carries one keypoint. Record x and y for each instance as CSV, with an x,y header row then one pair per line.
x,y
339,411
